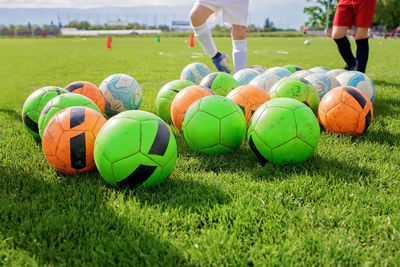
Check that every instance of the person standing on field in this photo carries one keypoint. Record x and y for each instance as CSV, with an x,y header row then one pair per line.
x,y
360,14
234,12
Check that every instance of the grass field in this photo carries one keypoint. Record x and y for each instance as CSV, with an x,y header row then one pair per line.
x,y
342,207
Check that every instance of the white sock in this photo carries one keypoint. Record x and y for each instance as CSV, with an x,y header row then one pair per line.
x,y
203,35
239,54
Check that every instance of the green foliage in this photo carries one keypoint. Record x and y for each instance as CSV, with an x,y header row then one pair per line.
x,y
317,12
341,207
387,13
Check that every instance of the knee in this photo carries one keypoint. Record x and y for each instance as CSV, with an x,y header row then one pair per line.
x,y
196,18
238,32
337,35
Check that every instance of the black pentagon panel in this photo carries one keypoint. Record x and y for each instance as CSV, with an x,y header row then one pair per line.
x,y
368,119
298,68
242,108
77,116
31,124
75,86
46,108
58,91
256,152
78,151
161,140
138,177
357,96
173,90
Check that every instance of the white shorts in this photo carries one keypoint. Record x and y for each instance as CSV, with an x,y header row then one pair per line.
x,y
233,11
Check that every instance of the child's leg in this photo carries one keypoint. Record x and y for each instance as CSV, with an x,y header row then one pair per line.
x,y
239,43
362,49
198,17
343,45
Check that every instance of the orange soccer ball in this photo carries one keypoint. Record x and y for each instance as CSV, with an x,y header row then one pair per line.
x,y
249,98
89,90
68,139
345,110
184,99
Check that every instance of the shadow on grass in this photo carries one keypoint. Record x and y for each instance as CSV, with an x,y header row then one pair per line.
x,y
71,221
386,107
380,136
385,83
12,113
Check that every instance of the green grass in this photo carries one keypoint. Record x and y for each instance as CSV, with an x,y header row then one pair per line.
x,y
341,207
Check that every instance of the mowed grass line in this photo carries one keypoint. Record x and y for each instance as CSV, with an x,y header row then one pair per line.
x,y
340,207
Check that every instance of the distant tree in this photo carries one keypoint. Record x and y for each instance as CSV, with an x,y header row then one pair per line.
x,y
72,24
268,23
387,13
83,25
317,12
164,28
4,30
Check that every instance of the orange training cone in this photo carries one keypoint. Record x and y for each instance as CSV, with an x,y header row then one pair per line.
x,y
191,43
108,42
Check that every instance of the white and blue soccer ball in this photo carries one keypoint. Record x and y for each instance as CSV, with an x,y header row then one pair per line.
x,y
266,81
307,42
359,80
322,82
281,72
244,76
122,92
336,72
195,72
258,68
319,69
301,73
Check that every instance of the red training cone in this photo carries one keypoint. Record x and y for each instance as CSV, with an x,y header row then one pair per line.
x,y
191,43
108,42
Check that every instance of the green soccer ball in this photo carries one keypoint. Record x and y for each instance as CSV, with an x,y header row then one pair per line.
x,y
166,95
136,149
292,68
220,83
283,131
214,124
35,103
297,88
61,102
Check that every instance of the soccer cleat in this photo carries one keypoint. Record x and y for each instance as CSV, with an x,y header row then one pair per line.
x,y
349,68
221,62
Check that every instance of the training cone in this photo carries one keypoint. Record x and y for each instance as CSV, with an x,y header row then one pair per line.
x,y
191,43
108,42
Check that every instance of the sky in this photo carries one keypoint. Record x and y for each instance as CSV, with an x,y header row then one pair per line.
x,y
284,13
102,3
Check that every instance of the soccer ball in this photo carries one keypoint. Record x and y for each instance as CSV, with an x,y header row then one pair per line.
x,y
34,104
297,88
214,124
165,96
301,74
345,110
265,81
245,76
69,137
292,68
136,149
322,82
283,130
359,80
336,72
307,42
60,102
122,92
249,98
184,99
258,68
279,71
319,69
195,72
89,90
220,83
